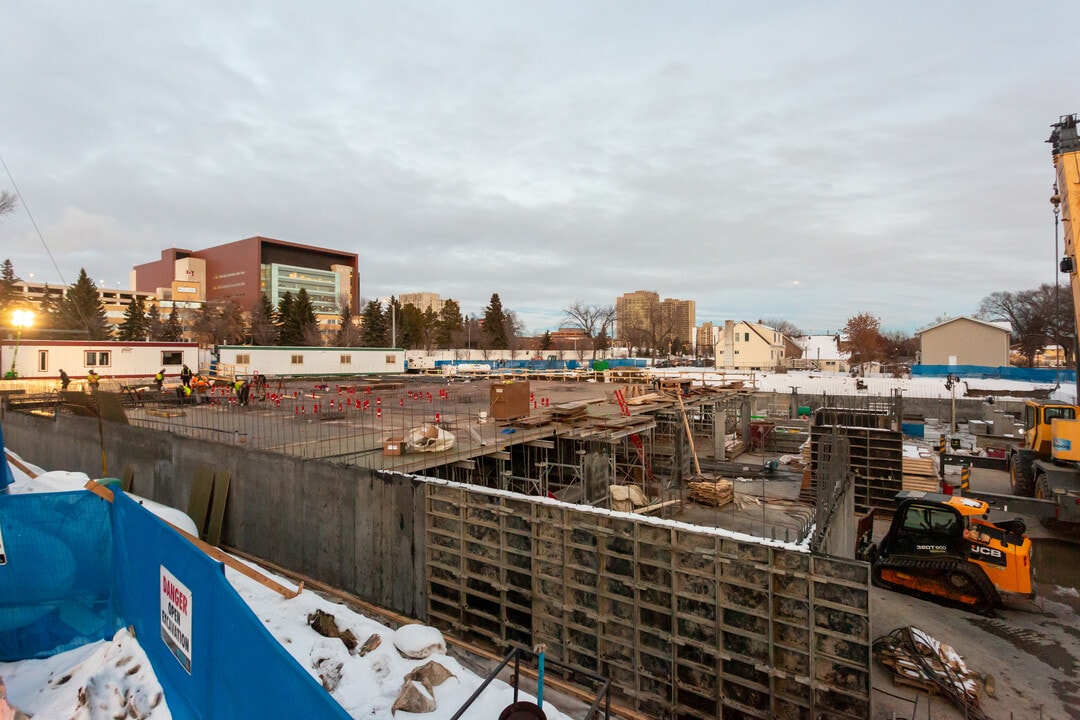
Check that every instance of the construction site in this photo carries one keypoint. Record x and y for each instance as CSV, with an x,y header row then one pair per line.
x,y
692,541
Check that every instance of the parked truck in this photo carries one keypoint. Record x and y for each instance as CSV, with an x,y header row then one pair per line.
x,y
1047,466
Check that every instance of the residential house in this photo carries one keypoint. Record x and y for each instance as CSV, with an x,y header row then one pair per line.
x,y
749,346
965,341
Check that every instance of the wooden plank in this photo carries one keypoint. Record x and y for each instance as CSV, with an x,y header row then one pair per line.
x,y
15,461
128,479
217,506
199,504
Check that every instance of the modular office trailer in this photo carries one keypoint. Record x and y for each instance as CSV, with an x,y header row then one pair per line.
x,y
311,361
44,359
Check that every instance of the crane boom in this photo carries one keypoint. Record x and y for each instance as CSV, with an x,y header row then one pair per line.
x,y
1065,148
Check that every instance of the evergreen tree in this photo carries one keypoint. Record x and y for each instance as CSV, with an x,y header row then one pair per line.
x,y
304,310
49,309
546,341
290,331
494,330
263,327
83,309
8,291
134,326
374,330
155,326
449,326
430,328
348,334
174,328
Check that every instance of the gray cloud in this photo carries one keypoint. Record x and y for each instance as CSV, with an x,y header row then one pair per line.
x,y
799,161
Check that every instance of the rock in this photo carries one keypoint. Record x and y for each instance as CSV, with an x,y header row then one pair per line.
x,y
413,698
326,625
419,641
430,674
370,644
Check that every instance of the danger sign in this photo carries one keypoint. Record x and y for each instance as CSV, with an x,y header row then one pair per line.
x,y
176,617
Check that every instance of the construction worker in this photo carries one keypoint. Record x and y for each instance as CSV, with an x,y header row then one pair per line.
x,y
243,389
159,379
64,380
201,386
185,376
92,380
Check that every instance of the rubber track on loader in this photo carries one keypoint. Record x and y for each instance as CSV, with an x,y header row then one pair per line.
x,y
938,571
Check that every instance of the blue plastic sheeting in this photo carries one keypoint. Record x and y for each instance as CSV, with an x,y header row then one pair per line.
x,y
56,576
1047,376
914,430
229,666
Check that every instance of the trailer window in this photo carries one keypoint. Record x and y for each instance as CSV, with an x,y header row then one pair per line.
x,y
346,359
42,360
297,359
172,357
97,358
244,359
391,359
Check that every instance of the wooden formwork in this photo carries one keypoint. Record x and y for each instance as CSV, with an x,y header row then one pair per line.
x,y
686,622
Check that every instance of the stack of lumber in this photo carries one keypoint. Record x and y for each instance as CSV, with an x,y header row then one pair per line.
x,y
919,470
718,493
568,412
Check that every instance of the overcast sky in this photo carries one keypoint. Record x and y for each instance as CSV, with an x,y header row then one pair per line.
x,y
804,161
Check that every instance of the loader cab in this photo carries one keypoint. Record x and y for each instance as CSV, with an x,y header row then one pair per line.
x,y
1038,417
926,529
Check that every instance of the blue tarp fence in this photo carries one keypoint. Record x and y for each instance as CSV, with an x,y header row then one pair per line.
x,y
1047,376
78,568
550,364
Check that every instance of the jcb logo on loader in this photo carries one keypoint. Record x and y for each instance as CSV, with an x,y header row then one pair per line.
x,y
988,554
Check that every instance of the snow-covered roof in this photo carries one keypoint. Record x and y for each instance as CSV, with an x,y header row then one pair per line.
x,y
996,324
821,347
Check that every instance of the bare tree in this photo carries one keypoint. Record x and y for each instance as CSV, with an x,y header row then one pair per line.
x,y
596,321
7,203
784,327
1036,316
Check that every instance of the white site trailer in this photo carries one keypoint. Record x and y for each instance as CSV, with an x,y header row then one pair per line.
x,y
124,361
244,360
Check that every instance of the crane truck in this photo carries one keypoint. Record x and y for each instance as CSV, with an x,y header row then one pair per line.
x,y
1047,466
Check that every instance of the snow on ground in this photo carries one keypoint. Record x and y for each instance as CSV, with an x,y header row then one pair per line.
x,y
816,383
109,679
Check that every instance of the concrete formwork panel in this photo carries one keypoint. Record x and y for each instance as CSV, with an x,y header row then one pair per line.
x,y
683,621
